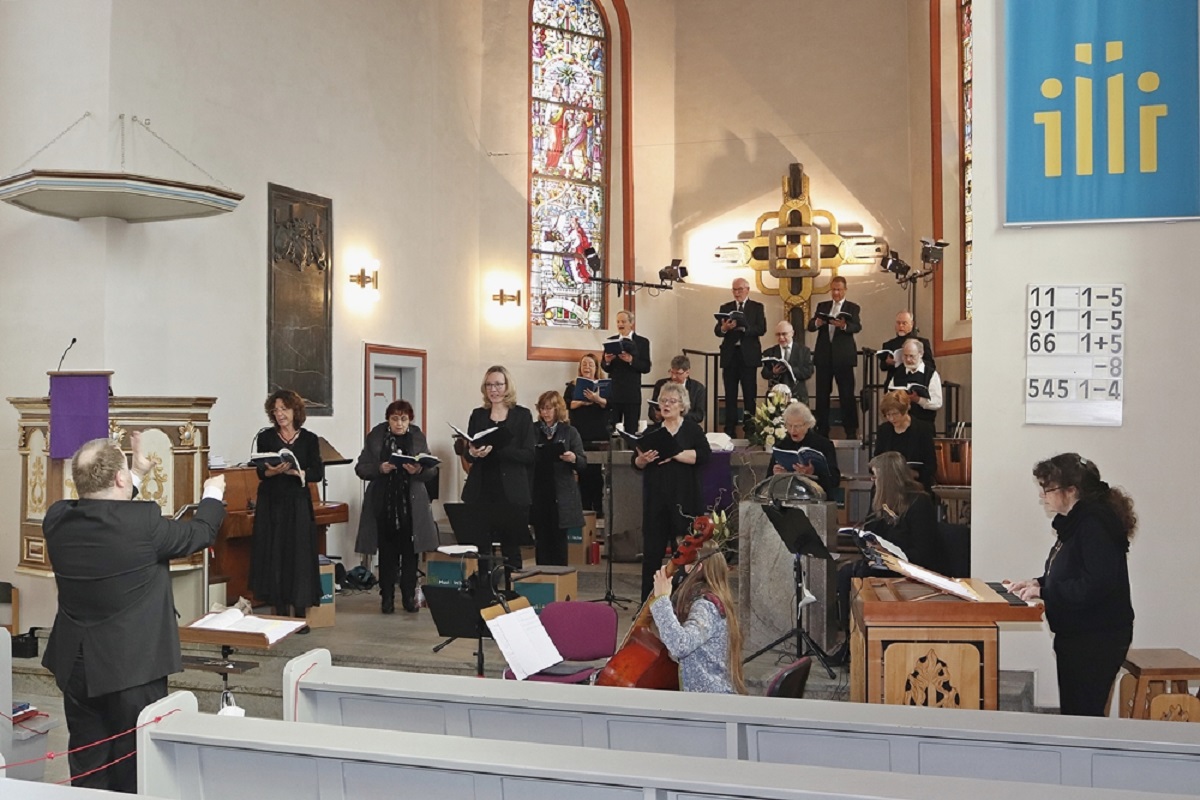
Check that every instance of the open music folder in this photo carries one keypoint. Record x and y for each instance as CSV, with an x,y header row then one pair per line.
x,y
521,637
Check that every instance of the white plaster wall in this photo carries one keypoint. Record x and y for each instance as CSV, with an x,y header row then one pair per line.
x,y
1149,455
374,105
764,83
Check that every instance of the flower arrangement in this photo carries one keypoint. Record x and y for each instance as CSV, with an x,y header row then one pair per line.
x,y
768,417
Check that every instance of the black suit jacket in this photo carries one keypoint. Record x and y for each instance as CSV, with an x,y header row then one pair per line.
x,y
114,588
627,378
801,362
744,342
513,462
836,348
896,342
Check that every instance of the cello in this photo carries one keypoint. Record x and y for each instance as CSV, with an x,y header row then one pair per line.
x,y
642,661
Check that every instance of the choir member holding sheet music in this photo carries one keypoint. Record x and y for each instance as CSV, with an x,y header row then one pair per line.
x,y
681,372
903,514
788,362
283,549
396,518
1085,583
740,325
912,439
671,480
589,416
556,501
889,352
802,437
500,472
921,381
627,359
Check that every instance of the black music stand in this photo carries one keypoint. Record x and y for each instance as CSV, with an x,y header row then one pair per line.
x,y
485,525
801,539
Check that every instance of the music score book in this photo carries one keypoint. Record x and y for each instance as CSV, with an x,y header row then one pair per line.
x,y
275,459
521,637
425,460
772,361
602,387
496,436
233,620
953,586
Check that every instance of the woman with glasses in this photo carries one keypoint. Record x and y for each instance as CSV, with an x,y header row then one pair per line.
x,y
1085,583
911,438
800,425
501,474
589,416
396,518
671,485
560,458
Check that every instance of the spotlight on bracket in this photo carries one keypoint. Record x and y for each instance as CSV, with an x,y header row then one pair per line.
x,y
933,251
675,272
892,263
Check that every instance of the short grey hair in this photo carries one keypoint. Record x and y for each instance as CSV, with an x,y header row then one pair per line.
x,y
95,466
800,412
917,342
685,402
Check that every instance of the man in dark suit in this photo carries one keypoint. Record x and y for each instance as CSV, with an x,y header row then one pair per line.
x,y
626,371
741,351
904,332
115,638
836,356
681,371
797,356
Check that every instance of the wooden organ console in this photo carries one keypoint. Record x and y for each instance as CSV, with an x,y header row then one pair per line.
x,y
231,553
913,645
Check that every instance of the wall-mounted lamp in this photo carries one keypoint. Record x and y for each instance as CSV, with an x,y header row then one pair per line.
x,y
501,297
364,280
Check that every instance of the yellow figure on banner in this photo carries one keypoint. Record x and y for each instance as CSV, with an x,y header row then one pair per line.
x,y
1148,116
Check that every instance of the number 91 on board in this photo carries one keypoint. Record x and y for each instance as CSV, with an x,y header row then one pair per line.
x,y
1074,354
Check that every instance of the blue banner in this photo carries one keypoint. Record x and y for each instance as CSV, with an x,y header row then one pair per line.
x,y
1103,110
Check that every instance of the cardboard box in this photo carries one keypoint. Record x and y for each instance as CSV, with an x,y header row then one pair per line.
x,y
579,540
322,616
444,570
540,586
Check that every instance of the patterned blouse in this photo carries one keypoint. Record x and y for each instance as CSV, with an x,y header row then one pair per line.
x,y
700,645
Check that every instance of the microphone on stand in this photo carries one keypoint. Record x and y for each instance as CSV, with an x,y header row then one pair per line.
x,y
64,355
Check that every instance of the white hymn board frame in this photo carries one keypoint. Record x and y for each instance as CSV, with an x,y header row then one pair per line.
x,y
1075,353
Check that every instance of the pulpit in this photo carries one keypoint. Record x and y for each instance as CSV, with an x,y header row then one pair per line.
x,y
174,437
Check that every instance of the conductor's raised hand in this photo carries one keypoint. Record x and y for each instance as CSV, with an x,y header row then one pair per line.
x,y
141,463
215,483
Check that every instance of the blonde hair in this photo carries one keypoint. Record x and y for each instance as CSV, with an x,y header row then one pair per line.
x,y
510,392
711,575
894,401
554,399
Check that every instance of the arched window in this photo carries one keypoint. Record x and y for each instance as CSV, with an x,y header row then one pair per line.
x,y
568,163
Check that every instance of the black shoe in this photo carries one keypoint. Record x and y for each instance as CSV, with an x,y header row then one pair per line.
x,y
388,606
304,630
410,605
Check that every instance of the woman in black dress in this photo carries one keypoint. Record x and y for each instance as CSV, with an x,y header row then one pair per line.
x,y
670,486
502,474
590,417
556,503
283,552
396,516
911,438
1085,583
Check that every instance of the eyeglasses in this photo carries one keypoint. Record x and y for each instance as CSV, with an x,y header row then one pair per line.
x,y
668,401
399,419
678,372
1045,490
494,385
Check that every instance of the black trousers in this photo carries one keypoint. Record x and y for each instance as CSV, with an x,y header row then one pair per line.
x,y
93,719
591,486
550,540
746,378
845,383
396,557
662,525
1087,667
626,413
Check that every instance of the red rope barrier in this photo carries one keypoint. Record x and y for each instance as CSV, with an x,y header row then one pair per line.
x,y
296,697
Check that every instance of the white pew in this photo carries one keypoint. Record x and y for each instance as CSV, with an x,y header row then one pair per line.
x,y
1002,746
186,755
27,790
6,743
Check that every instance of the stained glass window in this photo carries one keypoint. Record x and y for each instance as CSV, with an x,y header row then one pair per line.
x,y
968,214
568,163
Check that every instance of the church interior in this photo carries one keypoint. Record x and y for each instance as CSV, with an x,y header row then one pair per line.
x,y
408,123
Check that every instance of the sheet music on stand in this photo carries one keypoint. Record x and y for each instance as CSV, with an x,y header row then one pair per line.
x,y
936,580
522,638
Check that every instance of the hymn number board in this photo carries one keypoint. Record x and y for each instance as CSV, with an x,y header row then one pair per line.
x,y
1075,354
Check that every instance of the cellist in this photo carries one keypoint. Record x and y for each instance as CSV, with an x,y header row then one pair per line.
x,y
700,627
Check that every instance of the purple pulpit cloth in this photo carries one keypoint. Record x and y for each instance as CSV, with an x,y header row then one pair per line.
x,y
78,411
716,481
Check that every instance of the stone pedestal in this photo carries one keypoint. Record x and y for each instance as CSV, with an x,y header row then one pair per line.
x,y
766,580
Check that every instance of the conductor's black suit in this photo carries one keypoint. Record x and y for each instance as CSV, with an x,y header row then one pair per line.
x,y
115,638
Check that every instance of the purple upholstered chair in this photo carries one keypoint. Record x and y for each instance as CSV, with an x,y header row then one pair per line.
x,y
584,633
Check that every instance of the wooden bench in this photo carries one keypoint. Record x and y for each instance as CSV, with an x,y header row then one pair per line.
x,y
185,754
999,746
1152,671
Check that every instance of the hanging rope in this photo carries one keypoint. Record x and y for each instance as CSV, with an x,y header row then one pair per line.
x,y
145,123
44,147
